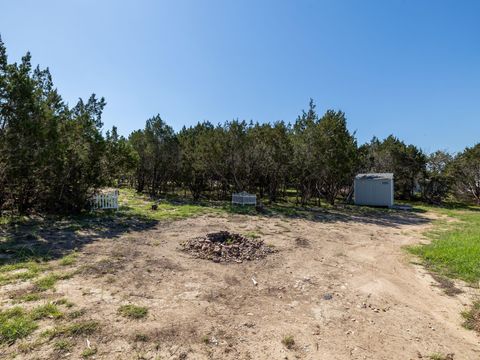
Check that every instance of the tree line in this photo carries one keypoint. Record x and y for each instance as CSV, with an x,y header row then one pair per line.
x,y
53,157
317,157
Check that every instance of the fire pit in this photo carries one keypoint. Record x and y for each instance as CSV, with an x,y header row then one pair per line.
x,y
224,246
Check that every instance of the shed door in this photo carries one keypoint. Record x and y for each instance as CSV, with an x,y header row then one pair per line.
x,y
383,193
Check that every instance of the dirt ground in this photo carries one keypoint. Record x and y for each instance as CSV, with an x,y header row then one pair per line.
x,y
339,287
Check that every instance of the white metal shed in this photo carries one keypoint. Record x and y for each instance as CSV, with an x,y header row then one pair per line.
x,y
374,189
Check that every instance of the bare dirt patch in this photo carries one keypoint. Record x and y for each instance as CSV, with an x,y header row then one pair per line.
x,y
346,291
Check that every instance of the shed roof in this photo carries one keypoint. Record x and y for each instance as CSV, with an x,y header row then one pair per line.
x,y
375,176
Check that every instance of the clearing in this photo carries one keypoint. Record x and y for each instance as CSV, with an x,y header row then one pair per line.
x,y
338,284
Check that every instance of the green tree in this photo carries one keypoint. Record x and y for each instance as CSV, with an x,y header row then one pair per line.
x,y
306,164
338,155
50,155
269,156
138,143
406,162
3,121
120,158
195,143
465,170
436,182
162,155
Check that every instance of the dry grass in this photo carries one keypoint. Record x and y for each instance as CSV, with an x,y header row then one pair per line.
x,y
472,317
447,285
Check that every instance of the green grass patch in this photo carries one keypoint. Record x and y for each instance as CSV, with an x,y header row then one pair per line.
x,y
252,235
49,281
28,265
28,297
134,205
20,271
48,310
72,330
454,250
89,352
133,311
69,259
15,323
63,345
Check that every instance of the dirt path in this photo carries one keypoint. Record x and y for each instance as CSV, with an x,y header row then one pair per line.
x,y
341,288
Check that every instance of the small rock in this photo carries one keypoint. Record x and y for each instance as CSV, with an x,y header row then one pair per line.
x,y
327,296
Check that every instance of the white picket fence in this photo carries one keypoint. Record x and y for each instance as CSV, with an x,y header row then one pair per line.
x,y
105,200
244,198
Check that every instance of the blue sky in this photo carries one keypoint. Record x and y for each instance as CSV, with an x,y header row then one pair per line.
x,y
407,67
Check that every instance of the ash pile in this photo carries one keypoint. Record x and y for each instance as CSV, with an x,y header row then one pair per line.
x,y
224,246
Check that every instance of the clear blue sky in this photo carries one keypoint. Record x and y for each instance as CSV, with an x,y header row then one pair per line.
x,y
407,67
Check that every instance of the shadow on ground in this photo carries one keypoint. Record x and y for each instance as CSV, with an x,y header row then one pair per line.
x,y
49,238
338,213
393,217
53,237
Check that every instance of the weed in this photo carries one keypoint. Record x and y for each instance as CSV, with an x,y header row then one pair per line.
x,y
15,324
75,329
28,346
28,297
141,337
438,356
48,310
206,339
65,302
89,352
63,345
133,311
288,341
472,317
252,235
76,314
